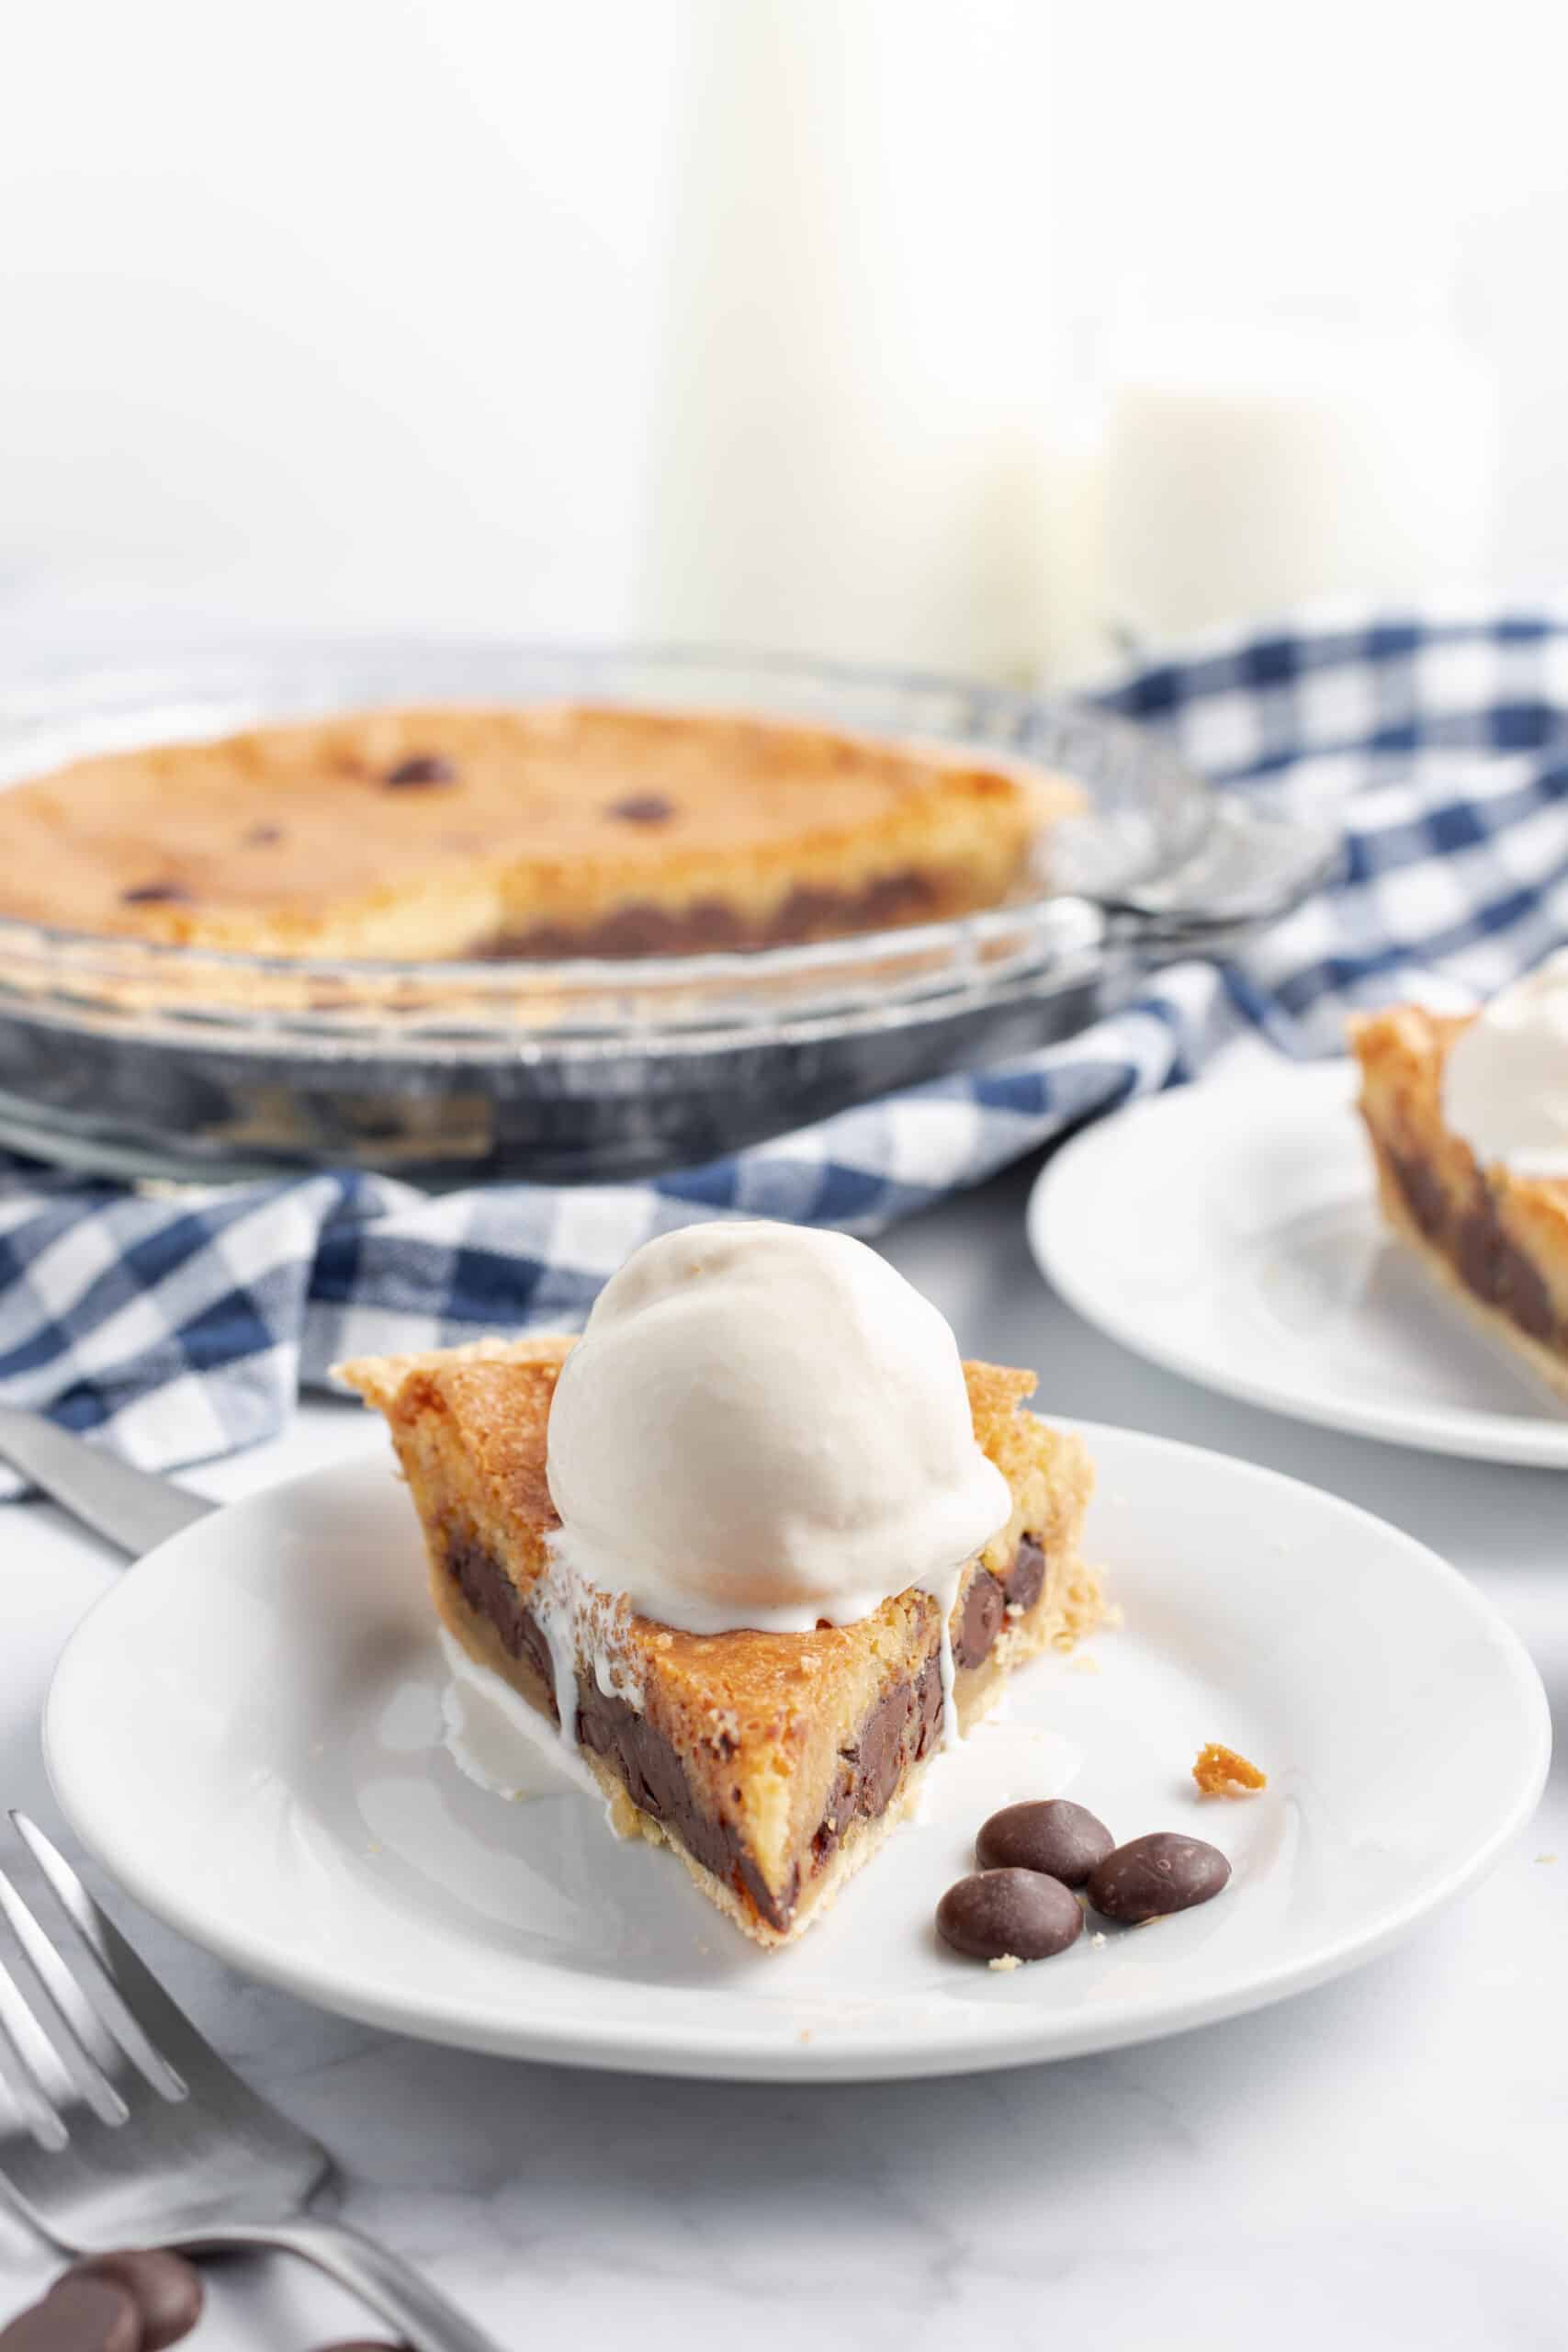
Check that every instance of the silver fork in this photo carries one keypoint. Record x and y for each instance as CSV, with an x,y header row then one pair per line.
x,y
123,2127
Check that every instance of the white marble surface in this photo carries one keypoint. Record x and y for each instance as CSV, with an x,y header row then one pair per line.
x,y
1377,2165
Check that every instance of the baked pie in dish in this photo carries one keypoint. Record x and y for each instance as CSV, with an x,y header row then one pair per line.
x,y
773,1761
1468,1120
564,830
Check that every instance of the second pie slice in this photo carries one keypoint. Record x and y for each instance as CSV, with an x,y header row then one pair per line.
x,y
1494,1237
771,1763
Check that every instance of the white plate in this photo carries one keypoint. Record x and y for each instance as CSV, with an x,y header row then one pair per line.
x,y
246,1733
1230,1231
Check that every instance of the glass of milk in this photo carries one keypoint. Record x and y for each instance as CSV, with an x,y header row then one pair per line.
x,y
1243,472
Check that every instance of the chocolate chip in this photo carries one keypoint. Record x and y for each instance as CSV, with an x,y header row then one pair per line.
x,y
156,894
1001,1915
262,836
1025,1579
645,808
1498,1271
1424,1194
422,768
1150,1877
77,2316
980,1620
1061,1840
166,2289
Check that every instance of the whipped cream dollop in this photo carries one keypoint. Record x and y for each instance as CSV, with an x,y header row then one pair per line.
x,y
764,1426
1506,1080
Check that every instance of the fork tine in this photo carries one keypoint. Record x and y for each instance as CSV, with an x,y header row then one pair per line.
x,y
30,2067
152,2027
90,2056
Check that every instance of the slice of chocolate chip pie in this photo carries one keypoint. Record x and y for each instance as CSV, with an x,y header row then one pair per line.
x,y
774,1764
1495,1239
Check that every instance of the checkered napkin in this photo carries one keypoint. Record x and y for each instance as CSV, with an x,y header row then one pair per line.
x,y
177,1331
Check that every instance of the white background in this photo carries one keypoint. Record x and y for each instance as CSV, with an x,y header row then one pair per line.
x,y
757,320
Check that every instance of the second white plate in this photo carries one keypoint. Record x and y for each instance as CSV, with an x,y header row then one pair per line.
x,y
1230,1231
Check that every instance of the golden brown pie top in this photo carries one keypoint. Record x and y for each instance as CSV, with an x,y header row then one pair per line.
x,y
487,1405
1401,1052
447,831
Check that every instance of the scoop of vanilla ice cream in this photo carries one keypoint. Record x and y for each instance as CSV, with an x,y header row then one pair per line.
x,y
1506,1080
764,1426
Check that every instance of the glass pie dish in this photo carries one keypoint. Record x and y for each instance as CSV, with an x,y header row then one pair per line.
x,y
137,1059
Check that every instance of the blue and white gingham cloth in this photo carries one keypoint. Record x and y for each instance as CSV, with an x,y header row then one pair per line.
x,y
177,1331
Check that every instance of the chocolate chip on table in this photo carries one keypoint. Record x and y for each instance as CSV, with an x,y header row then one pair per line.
x,y
1063,1840
165,2288
78,2314
155,894
1151,1877
645,808
1008,1914
423,767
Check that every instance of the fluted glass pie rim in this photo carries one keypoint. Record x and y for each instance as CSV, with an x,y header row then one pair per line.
x,y
1149,815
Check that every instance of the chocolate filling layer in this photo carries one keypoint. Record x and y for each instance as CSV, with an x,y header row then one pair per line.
x,y
640,928
1486,1261
900,1729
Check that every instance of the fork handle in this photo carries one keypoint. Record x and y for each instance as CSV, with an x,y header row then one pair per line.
x,y
419,2315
